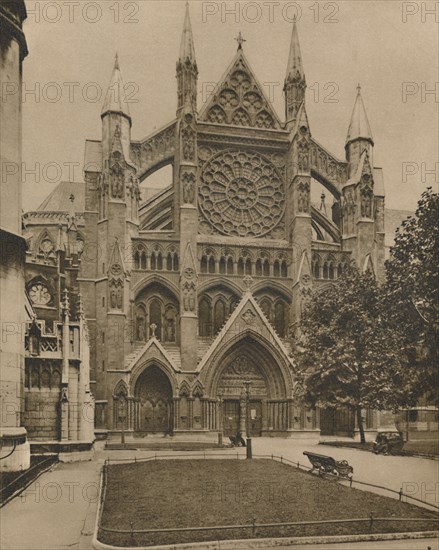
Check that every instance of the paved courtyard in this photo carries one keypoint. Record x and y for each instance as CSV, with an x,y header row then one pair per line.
x,y
58,510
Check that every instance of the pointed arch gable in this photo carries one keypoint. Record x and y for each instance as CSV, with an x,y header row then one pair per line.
x,y
141,367
184,389
198,389
278,287
121,388
159,279
213,282
262,351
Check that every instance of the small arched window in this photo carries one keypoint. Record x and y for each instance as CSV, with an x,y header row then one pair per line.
x,y
276,270
240,266
248,267
266,268
211,264
222,266
169,262
204,264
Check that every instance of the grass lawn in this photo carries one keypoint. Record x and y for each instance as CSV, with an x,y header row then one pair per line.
x,y
428,447
194,493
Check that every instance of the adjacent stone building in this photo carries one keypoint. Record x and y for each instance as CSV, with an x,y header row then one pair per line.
x,y
45,397
13,49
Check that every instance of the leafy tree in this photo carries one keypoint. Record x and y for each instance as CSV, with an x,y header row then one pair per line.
x,y
349,355
412,291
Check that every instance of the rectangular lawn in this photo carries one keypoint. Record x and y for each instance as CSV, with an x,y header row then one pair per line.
x,y
195,493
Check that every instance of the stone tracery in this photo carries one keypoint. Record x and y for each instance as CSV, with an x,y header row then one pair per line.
x,y
241,193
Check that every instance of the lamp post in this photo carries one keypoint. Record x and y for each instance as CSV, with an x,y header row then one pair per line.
x,y
247,385
122,415
220,420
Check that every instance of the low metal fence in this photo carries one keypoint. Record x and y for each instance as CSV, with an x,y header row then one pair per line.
x,y
371,521
21,482
351,481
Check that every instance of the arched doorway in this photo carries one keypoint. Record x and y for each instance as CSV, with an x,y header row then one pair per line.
x,y
250,359
234,402
154,393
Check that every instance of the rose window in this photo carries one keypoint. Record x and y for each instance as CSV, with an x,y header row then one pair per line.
x,y
241,194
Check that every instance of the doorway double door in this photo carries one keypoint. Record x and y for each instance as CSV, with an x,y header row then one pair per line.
x,y
234,417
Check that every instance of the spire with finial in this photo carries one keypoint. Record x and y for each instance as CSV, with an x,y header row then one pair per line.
x,y
115,99
187,71
295,66
295,83
187,48
359,127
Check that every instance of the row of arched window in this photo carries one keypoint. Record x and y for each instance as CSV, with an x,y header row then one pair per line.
x,y
156,261
214,312
244,266
156,318
39,375
327,269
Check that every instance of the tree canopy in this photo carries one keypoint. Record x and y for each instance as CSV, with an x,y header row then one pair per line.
x,y
350,354
412,291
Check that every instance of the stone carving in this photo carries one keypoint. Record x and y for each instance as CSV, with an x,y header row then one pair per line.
x,y
303,155
240,370
303,188
189,296
116,294
241,194
249,317
117,176
240,101
188,137
248,280
188,188
366,202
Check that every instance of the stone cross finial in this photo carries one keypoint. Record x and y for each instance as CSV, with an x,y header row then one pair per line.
x,y
248,281
240,40
153,328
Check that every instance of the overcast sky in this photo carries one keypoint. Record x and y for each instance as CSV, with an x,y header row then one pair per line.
x,y
380,44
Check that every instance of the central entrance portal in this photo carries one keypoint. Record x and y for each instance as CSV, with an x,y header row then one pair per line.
x,y
231,386
154,392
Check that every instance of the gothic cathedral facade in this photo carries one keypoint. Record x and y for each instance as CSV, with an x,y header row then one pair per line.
x,y
200,288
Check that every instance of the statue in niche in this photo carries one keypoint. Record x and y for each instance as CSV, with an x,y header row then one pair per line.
x,y
189,188
170,328
366,203
188,143
303,156
113,298
119,298
117,181
303,197
141,328
189,297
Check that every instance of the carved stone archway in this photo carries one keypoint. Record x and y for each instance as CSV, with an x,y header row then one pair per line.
x,y
249,361
153,393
